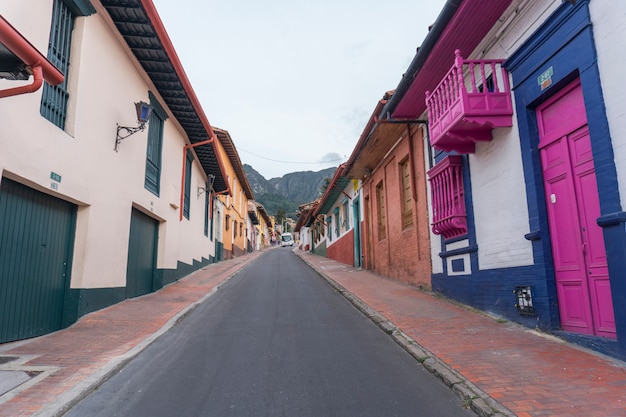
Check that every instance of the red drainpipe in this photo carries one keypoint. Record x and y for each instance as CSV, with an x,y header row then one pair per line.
x,y
40,67
153,15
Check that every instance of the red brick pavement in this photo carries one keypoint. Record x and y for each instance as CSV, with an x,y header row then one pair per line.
x,y
101,341
529,373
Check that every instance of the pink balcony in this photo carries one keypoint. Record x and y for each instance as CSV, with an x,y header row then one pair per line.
x,y
473,98
448,197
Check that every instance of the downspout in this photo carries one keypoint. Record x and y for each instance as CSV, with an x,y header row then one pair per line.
x,y
184,165
412,163
29,88
159,28
414,187
212,141
38,65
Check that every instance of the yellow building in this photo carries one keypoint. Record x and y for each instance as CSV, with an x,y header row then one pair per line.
x,y
261,225
235,226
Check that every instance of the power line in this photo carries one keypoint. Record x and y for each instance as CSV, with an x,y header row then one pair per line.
x,y
289,162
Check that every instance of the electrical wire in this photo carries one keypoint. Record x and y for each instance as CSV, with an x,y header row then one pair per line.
x,y
290,162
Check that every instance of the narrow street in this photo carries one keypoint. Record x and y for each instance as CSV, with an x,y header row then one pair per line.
x,y
276,340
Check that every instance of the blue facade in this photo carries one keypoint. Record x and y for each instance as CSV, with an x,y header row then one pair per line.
x,y
565,45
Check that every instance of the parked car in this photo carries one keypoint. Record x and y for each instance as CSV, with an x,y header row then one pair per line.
x,y
286,239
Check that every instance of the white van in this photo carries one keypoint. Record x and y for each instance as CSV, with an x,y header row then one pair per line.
x,y
286,239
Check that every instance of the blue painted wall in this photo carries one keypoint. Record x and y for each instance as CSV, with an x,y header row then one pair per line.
x,y
565,43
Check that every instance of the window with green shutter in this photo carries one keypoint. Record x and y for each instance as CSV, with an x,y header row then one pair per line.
x,y
206,210
187,197
54,98
155,147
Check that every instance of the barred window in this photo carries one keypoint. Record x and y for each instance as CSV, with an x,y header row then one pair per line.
x,y
406,192
187,194
381,216
155,147
54,98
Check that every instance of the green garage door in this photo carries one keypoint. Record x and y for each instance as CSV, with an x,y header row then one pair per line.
x,y
36,242
142,250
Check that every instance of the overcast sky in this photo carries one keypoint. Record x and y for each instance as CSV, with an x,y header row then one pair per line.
x,y
293,81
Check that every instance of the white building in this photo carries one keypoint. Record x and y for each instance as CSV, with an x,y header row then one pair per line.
x,y
86,220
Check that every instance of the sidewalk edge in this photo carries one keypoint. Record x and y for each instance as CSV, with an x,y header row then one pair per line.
x,y
473,397
81,390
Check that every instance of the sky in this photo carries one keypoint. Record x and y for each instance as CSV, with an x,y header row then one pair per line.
x,y
294,82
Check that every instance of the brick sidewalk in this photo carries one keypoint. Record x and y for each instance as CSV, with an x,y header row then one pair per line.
x,y
497,367
72,361
529,373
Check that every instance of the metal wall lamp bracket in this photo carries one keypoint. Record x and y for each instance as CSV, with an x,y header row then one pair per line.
x,y
143,110
208,187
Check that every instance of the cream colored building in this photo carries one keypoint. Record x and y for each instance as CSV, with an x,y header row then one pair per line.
x,y
87,221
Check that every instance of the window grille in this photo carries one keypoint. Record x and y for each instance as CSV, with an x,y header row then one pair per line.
x,y
187,194
54,98
448,197
381,216
206,211
329,225
346,214
407,196
153,153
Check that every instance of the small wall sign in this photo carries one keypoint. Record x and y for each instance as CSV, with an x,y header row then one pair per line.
x,y
56,179
545,79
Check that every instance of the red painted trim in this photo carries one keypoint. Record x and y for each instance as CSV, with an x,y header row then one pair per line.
x,y
467,28
24,89
41,68
182,183
158,26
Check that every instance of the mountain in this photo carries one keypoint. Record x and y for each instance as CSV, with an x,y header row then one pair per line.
x,y
288,191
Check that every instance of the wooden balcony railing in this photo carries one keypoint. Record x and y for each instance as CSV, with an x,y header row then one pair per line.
x,y
473,98
448,197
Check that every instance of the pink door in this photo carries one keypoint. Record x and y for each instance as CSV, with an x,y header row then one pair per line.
x,y
579,256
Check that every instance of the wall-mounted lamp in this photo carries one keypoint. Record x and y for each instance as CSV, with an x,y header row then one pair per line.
x,y
208,187
143,110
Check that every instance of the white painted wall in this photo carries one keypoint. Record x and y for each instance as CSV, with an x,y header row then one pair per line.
x,y
609,30
350,190
435,240
496,170
105,81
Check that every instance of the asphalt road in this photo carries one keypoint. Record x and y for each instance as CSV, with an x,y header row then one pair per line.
x,y
276,340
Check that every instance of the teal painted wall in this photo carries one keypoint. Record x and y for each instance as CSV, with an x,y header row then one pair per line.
x,y
83,301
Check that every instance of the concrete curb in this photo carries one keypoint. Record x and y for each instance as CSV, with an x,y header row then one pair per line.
x,y
81,390
473,397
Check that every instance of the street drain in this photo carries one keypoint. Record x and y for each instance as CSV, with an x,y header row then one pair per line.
x,y
16,376
7,359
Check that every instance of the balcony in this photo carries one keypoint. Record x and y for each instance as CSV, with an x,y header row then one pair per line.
x,y
448,197
473,98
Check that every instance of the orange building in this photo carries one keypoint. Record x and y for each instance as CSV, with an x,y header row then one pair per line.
x,y
235,230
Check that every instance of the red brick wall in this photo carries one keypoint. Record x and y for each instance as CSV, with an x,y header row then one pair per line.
x,y
342,250
404,253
